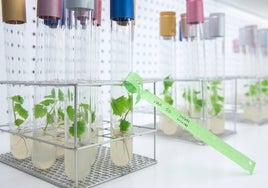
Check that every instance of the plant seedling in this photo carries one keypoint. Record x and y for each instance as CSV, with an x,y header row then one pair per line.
x,y
168,82
85,113
121,107
50,108
20,114
192,97
216,99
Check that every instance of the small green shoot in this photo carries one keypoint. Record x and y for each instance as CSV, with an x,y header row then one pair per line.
x,y
168,82
20,114
50,109
216,99
256,89
121,107
192,97
83,112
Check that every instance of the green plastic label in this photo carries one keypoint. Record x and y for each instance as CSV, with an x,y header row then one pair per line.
x,y
134,84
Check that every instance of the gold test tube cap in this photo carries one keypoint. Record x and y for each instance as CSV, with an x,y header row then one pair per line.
x,y
167,23
14,11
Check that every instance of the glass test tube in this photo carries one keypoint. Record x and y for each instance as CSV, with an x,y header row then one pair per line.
x,y
80,127
122,33
252,108
18,68
215,87
262,70
49,67
195,93
167,67
97,16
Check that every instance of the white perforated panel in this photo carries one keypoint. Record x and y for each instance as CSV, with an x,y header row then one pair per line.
x,y
146,44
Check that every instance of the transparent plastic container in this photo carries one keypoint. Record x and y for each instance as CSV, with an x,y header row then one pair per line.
x,y
18,68
122,33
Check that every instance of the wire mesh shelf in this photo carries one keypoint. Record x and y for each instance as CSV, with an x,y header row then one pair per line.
x,y
102,170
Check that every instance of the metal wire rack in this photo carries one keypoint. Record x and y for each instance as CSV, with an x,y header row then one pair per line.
x,y
102,170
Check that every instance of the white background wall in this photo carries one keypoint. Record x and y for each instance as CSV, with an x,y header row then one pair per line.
x,y
146,36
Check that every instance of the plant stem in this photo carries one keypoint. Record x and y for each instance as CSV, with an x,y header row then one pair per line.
x,y
53,107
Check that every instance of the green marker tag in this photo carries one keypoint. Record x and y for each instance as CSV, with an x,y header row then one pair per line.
x,y
134,84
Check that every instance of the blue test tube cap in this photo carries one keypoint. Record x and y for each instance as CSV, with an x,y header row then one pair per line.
x,y
122,10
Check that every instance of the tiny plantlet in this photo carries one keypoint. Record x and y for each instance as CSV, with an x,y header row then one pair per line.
x,y
193,97
20,114
121,107
255,89
85,115
50,108
168,82
216,99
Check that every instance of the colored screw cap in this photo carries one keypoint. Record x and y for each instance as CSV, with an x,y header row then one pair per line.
x,y
14,11
122,10
167,23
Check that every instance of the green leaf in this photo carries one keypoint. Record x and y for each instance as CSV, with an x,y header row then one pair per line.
x,y
167,82
86,107
124,125
93,117
264,90
168,99
21,111
70,95
61,114
18,99
50,118
18,122
217,108
220,98
81,127
49,97
60,95
119,105
48,102
264,83
39,111
130,103
216,82
70,112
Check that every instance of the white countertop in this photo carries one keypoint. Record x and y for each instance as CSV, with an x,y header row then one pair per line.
x,y
180,164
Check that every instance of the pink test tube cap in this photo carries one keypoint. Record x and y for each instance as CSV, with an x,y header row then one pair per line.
x,y
49,9
194,11
97,11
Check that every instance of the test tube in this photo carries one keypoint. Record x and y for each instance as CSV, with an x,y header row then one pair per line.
x,y
80,127
18,68
49,67
216,86
122,33
167,68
